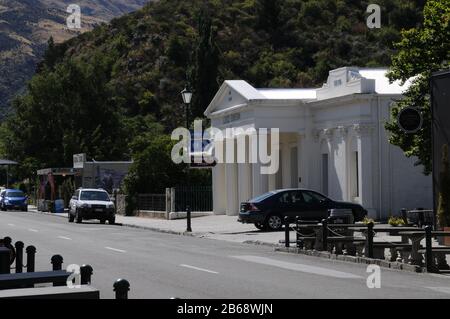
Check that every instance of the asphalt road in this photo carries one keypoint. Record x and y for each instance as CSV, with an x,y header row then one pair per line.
x,y
161,265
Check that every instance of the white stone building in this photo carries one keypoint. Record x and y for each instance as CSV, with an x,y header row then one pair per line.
x,y
332,140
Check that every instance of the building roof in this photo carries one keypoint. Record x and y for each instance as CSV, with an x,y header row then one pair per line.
x,y
382,84
343,81
245,89
288,94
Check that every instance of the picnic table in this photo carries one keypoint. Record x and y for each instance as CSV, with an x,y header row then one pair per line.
x,y
402,247
416,237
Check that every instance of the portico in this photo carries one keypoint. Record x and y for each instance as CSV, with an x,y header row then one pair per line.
x,y
331,139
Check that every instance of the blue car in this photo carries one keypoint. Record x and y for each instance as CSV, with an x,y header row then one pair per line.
x,y
13,199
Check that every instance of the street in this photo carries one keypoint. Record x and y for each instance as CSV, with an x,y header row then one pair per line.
x,y
159,265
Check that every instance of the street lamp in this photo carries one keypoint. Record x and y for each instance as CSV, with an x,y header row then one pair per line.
x,y
186,94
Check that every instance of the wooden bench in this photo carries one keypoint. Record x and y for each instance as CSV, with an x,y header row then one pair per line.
x,y
443,250
83,292
29,279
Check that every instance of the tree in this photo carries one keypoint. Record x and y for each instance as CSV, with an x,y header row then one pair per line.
x,y
268,19
65,111
421,52
443,212
206,64
153,169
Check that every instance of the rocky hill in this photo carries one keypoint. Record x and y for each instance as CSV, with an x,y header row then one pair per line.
x,y
111,91
26,26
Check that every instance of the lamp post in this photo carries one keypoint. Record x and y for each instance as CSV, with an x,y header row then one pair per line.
x,y
186,94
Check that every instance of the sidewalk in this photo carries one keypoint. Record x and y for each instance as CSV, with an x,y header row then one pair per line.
x,y
219,227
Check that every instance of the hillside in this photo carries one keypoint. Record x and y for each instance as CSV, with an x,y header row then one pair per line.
x,y
111,91
26,26
269,43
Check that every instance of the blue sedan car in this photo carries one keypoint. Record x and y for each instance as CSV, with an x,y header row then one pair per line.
x,y
13,199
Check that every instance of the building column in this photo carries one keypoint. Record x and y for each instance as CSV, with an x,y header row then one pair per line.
x,y
340,162
244,182
364,136
232,205
286,164
272,182
219,189
260,181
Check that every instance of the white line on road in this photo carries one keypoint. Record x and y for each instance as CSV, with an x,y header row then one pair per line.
x,y
440,289
115,249
12,225
200,269
33,230
297,267
64,237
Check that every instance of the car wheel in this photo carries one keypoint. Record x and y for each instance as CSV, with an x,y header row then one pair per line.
x,y
274,222
102,221
260,226
25,209
78,217
3,208
112,221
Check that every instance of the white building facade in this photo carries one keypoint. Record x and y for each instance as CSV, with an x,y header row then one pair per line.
x,y
332,140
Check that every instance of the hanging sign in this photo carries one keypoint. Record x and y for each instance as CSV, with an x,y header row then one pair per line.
x,y
410,120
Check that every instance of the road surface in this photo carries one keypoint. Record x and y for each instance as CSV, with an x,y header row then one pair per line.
x,y
159,265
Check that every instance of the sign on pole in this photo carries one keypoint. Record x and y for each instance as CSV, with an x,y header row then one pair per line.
x,y
410,120
200,155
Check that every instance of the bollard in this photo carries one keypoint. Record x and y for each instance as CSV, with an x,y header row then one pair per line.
x,y
324,234
297,234
57,262
428,250
19,256
369,243
286,232
31,252
188,216
86,272
121,288
5,256
7,242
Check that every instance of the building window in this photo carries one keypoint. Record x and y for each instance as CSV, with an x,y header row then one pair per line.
x,y
325,174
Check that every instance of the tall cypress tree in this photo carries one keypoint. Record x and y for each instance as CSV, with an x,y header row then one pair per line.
x,y
206,69
269,19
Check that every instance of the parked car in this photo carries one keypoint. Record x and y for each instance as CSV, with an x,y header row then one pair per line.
x,y
268,210
91,204
13,199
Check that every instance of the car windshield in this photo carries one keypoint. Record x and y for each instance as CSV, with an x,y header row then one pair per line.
x,y
15,194
93,195
262,197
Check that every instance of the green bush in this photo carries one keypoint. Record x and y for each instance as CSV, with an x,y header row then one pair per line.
x,y
396,221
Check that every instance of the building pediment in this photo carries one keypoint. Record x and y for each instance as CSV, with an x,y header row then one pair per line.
x,y
233,93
